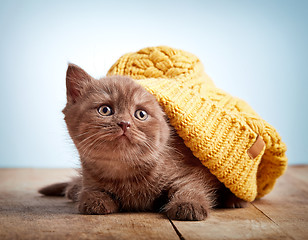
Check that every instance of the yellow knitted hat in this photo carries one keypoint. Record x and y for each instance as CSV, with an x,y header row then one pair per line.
x,y
242,150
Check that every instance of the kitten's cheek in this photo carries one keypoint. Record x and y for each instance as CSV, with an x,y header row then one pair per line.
x,y
156,139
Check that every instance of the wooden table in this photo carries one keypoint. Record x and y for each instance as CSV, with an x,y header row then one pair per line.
x,y
24,214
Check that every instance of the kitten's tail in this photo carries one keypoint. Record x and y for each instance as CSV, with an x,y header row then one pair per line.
x,y
57,189
69,189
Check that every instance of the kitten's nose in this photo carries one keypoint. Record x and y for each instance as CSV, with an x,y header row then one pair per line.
x,y
124,125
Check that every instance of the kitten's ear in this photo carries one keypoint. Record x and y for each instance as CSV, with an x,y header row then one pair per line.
x,y
76,80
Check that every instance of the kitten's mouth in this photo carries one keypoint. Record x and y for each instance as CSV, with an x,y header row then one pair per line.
x,y
123,136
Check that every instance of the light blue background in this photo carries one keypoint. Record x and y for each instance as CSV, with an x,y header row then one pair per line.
x,y
256,50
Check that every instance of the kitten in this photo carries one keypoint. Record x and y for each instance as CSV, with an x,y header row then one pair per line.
x,y
131,158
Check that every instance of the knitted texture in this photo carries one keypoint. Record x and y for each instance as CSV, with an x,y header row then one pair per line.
x,y
218,128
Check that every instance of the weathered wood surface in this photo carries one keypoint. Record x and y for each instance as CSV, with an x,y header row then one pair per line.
x,y
24,214
287,205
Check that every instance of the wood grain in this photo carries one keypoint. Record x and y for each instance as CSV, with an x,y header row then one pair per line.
x,y
287,204
24,214
280,215
246,223
299,172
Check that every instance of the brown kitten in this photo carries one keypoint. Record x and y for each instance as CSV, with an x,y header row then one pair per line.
x,y
129,160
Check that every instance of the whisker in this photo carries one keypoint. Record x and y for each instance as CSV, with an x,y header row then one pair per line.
x,y
92,145
80,143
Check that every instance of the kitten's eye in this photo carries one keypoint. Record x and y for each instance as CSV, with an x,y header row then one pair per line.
x,y
141,115
105,110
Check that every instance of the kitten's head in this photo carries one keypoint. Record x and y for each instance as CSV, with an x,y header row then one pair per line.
x,y
113,119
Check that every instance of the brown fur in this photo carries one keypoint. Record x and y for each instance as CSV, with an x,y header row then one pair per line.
x,y
142,167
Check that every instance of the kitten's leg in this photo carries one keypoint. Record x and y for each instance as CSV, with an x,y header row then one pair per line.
x,y
96,202
188,202
73,189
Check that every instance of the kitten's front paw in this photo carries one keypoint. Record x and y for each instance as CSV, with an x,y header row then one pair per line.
x,y
96,203
186,211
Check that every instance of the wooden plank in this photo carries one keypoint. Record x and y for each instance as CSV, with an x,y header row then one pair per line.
x,y
283,214
245,223
287,204
299,172
24,214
